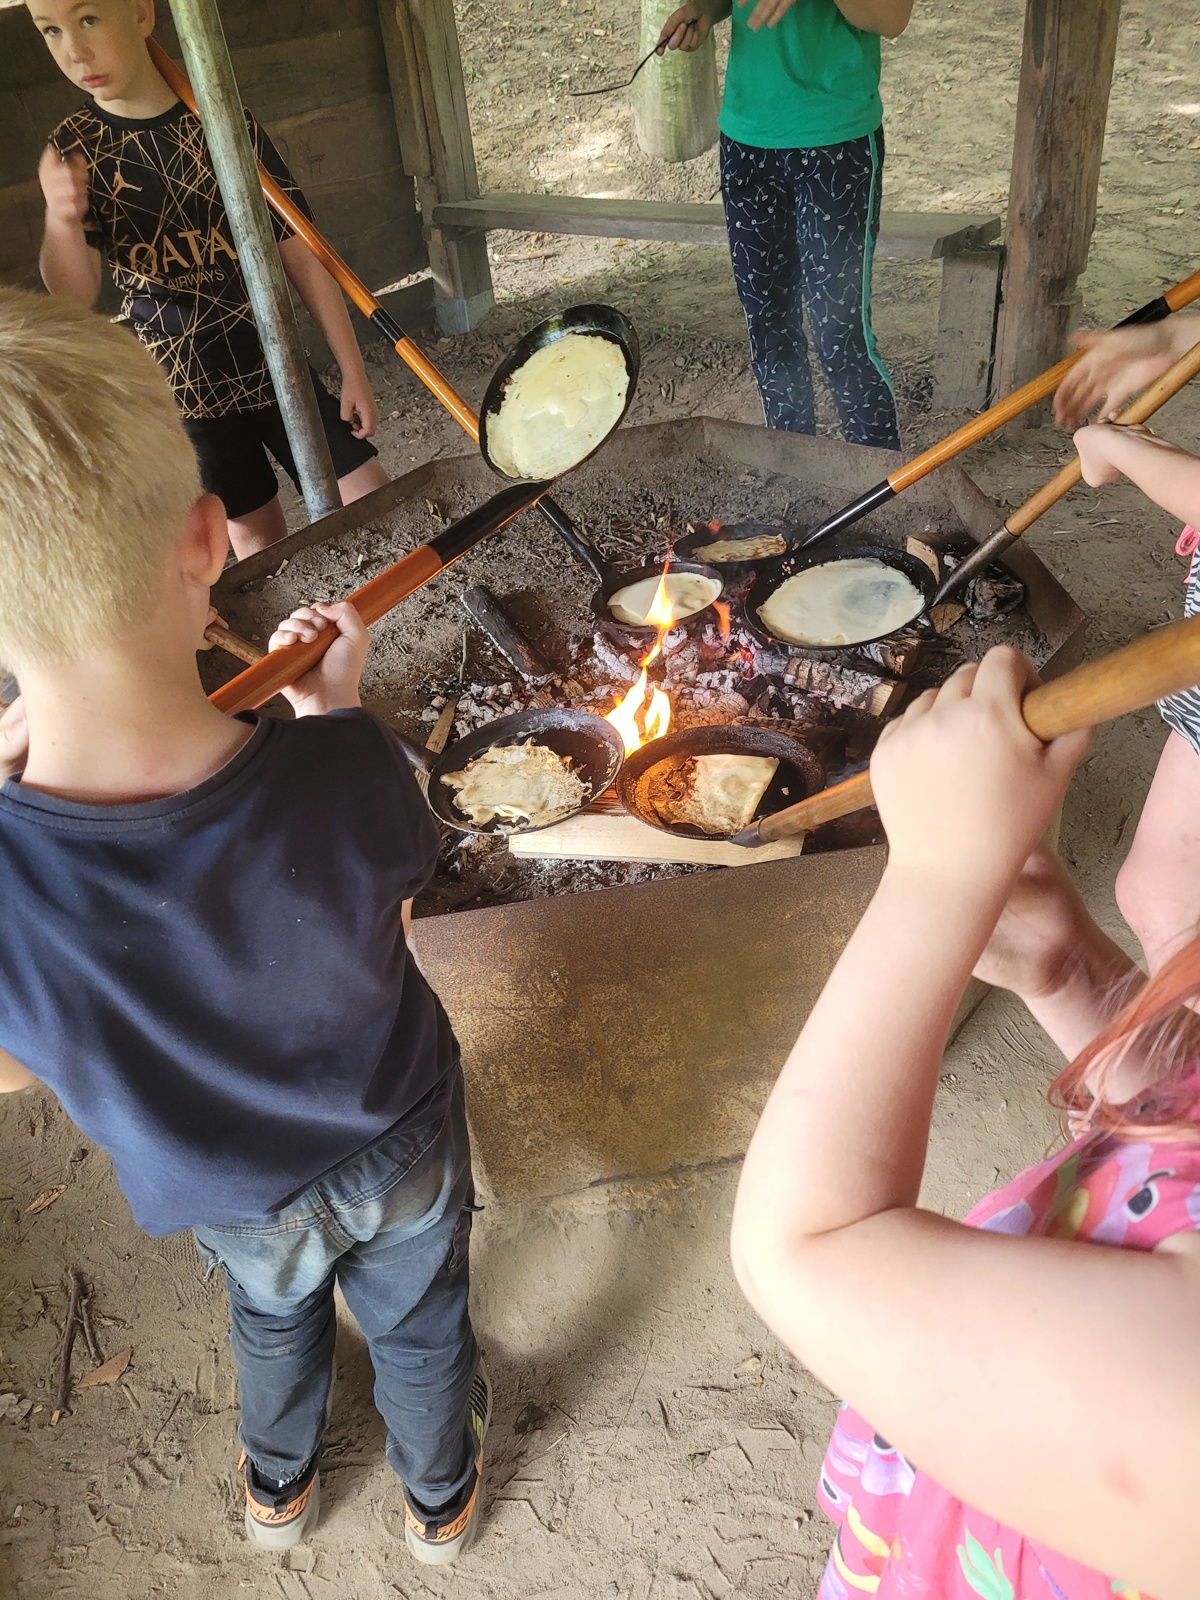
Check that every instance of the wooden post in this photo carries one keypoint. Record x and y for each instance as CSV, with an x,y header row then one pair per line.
x,y
424,66
676,101
1062,106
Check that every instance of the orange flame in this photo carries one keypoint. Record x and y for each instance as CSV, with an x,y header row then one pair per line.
x,y
656,711
723,619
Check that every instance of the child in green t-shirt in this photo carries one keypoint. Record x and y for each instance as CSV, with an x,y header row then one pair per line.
x,y
801,176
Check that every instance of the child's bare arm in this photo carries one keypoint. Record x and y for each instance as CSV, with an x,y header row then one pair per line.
x,y
1119,363
1166,473
13,1075
333,683
68,263
324,300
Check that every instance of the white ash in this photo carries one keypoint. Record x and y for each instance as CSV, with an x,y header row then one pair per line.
x,y
613,661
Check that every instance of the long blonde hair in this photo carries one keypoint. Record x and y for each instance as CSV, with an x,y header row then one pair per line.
x,y
97,477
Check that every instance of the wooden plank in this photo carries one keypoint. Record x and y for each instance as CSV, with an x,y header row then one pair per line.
x,y
617,836
915,235
27,119
21,215
283,79
962,368
1062,106
339,144
425,72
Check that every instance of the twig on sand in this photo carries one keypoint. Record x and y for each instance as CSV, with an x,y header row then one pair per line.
x,y
70,1329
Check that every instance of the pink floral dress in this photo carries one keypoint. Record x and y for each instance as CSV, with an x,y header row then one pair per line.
x,y
899,1534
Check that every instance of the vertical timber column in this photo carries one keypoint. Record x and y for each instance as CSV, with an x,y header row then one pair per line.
x,y
1062,107
206,57
420,41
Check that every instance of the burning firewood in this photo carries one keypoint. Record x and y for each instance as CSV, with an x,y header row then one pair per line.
x,y
844,686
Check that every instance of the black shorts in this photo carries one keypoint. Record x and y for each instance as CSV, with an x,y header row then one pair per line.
x,y
232,451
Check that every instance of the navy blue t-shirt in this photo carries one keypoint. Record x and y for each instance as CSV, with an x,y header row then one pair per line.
x,y
217,985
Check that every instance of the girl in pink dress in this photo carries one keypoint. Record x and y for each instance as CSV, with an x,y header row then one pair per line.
x,y
1031,1376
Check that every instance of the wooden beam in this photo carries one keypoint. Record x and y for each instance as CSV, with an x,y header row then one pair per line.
x,y
429,97
912,235
1062,107
617,836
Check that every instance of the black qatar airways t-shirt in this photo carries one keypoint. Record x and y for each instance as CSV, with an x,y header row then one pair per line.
x,y
158,218
217,985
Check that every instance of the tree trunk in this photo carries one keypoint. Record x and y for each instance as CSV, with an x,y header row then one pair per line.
x,y
675,98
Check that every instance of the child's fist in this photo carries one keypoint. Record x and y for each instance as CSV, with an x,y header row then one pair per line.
x,y
333,681
1098,444
64,181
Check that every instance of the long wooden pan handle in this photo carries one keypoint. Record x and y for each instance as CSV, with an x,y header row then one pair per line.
x,y
275,671
1135,676
438,385
1015,524
1179,295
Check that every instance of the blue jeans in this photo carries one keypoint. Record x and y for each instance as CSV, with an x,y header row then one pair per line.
x,y
802,229
392,1226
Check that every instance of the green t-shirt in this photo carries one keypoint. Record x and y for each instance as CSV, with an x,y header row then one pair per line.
x,y
812,79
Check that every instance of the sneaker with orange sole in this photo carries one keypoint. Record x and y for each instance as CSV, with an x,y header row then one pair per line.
x,y
278,1518
436,1541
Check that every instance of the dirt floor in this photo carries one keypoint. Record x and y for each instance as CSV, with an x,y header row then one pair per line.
x,y
651,1442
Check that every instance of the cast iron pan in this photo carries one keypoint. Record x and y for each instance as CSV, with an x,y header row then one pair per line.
x,y
786,567
799,774
600,321
688,548
593,746
625,633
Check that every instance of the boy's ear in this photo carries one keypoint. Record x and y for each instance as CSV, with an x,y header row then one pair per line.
x,y
204,542
145,17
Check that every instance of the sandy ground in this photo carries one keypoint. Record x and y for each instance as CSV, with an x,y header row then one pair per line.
x,y
650,1439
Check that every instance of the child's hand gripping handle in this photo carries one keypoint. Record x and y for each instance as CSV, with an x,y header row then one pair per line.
x,y
1160,664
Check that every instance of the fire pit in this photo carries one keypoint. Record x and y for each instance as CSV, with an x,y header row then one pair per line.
x,y
618,1033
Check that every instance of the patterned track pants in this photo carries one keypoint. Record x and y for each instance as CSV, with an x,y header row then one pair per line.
x,y
802,228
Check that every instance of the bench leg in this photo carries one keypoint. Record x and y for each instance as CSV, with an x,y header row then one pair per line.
x,y
967,312
462,279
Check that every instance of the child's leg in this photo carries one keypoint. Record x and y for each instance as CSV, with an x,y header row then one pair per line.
x,y
1158,888
407,1285
760,218
280,1283
234,466
839,189
362,480
257,529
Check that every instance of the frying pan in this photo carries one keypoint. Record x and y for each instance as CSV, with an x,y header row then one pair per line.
x,y
1162,663
786,567
1010,530
593,746
690,546
356,290
1179,295
799,771
282,667
631,635
595,321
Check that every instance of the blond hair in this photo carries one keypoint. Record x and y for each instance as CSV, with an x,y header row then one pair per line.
x,y
97,478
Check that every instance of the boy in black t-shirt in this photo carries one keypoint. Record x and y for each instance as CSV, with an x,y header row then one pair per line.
x,y
204,947
129,178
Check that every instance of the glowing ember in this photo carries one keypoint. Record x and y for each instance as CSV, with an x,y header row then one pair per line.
x,y
656,708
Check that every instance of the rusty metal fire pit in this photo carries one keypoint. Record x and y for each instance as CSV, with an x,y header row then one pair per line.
x,y
635,1030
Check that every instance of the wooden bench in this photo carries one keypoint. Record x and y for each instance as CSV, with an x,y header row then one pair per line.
x,y
967,247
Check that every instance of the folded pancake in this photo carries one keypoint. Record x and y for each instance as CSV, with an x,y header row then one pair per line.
x,y
688,592
558,407
842,602
754,547
718,794
521,783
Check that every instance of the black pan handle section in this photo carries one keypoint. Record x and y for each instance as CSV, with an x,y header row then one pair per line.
x,y
484,520
992,548
1152,311
490,617
584,552
419,759
848,515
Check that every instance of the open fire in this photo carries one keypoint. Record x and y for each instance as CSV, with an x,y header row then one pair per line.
x,y
645,712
